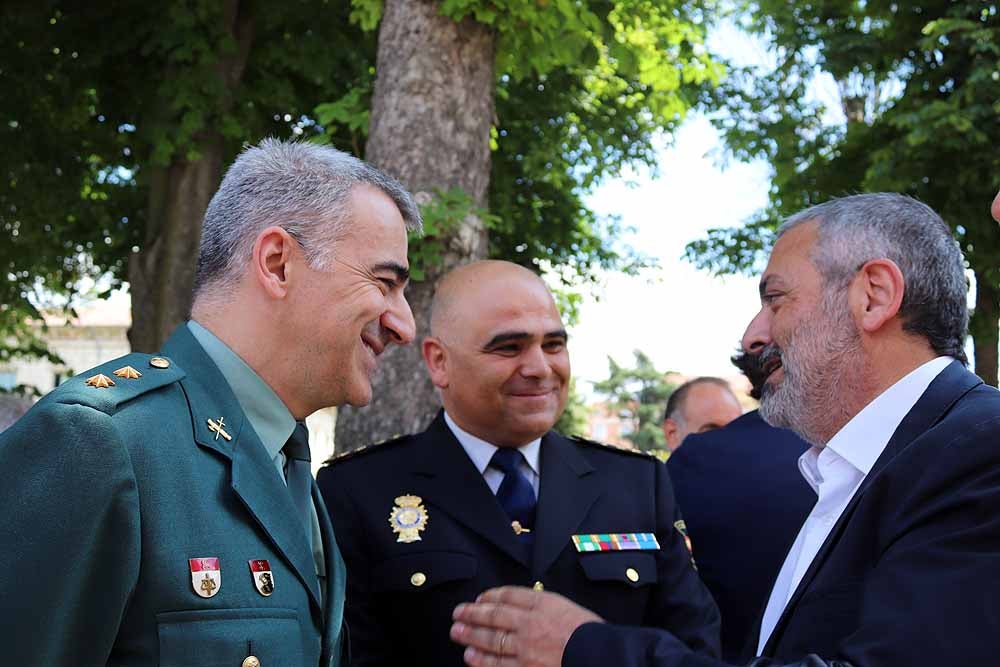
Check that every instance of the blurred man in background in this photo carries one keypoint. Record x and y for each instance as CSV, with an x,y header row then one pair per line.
x,y
697,406
743,499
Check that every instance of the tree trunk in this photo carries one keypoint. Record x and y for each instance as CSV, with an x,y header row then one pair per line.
x,y
161,274
432,110
985,328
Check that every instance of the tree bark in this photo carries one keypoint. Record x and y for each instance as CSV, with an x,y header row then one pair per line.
x,y
985,328
161,274
432,109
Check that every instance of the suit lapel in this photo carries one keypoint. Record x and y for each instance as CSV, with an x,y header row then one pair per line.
x,y
568,489
446,479
944,391
255,480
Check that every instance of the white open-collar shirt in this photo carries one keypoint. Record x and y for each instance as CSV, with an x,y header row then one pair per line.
x,y
481,452
836,471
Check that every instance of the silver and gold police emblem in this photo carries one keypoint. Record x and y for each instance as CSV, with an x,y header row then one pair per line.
x,y
408,518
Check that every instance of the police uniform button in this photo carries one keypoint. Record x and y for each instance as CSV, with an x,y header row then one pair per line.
x,y
251,661
539,586
418,579
632,575
160,362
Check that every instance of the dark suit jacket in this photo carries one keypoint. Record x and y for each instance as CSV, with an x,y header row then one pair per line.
x,y
744,500
107,493
468,545
910,574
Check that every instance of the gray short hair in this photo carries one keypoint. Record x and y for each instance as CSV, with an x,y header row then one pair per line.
x,y
857,229
301,187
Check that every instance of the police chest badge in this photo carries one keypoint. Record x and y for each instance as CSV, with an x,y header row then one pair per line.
x,y
206,577
408,518
263,578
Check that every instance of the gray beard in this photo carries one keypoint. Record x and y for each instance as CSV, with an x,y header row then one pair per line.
x,y
822,366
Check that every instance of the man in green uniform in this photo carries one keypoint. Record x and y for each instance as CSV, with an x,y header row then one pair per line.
x,y
159,509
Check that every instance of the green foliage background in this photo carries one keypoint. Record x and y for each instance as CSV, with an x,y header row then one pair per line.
x,y
95,96
639,394
919,98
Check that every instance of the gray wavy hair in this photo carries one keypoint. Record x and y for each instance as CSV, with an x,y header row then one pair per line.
x,y
857,229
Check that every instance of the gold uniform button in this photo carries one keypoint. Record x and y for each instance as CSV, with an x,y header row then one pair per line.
x,y
539,586
632,575
160,362
251,661
418,579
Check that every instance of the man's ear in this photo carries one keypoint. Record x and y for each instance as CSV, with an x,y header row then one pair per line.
x,y
271,256
671,431
436,360
877,294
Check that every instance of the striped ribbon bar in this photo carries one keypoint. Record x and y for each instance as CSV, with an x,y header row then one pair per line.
x,y
616,542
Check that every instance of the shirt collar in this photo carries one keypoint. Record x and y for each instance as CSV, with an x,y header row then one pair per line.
x,y
481,452
861,441
268,416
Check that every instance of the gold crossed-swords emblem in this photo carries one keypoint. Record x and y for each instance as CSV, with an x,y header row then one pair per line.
x,y
218,428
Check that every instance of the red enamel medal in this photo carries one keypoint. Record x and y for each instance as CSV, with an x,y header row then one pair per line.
x,y
263,578
206,577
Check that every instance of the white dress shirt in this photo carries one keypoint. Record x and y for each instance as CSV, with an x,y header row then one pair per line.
x,y
481,452
836,471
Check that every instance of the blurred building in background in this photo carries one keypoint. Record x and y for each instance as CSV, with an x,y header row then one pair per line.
x,y
97,333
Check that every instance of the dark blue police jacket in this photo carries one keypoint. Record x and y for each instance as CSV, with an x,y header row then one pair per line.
x,y
910,574
401,594
744,500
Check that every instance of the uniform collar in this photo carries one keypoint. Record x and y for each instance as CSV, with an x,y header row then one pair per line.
x,y
266,413
481,451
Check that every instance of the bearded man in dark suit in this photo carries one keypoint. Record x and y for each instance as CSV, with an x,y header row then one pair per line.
x,y
863,322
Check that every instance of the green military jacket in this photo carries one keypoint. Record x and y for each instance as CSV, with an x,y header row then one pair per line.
x,y
138,519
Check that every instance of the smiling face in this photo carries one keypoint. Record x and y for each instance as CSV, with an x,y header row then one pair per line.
x,y
809,343
499,354
349,311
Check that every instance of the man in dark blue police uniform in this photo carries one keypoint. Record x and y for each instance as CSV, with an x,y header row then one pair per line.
x,y
159,509
490,495
863,323
740,535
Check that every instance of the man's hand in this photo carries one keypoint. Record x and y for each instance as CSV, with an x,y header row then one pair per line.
x,y
517,627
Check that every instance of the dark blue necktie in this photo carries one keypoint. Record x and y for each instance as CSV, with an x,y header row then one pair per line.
x,y
516,495
298,475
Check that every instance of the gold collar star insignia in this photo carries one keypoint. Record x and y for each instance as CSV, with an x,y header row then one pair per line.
x,y
128,372
100,381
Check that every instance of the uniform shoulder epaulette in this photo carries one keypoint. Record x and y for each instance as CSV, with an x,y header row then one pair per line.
x,y
380,446
611,448
116,382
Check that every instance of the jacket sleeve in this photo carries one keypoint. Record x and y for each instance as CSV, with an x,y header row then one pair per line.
x,y
681,603
70,536
369,646
591,643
